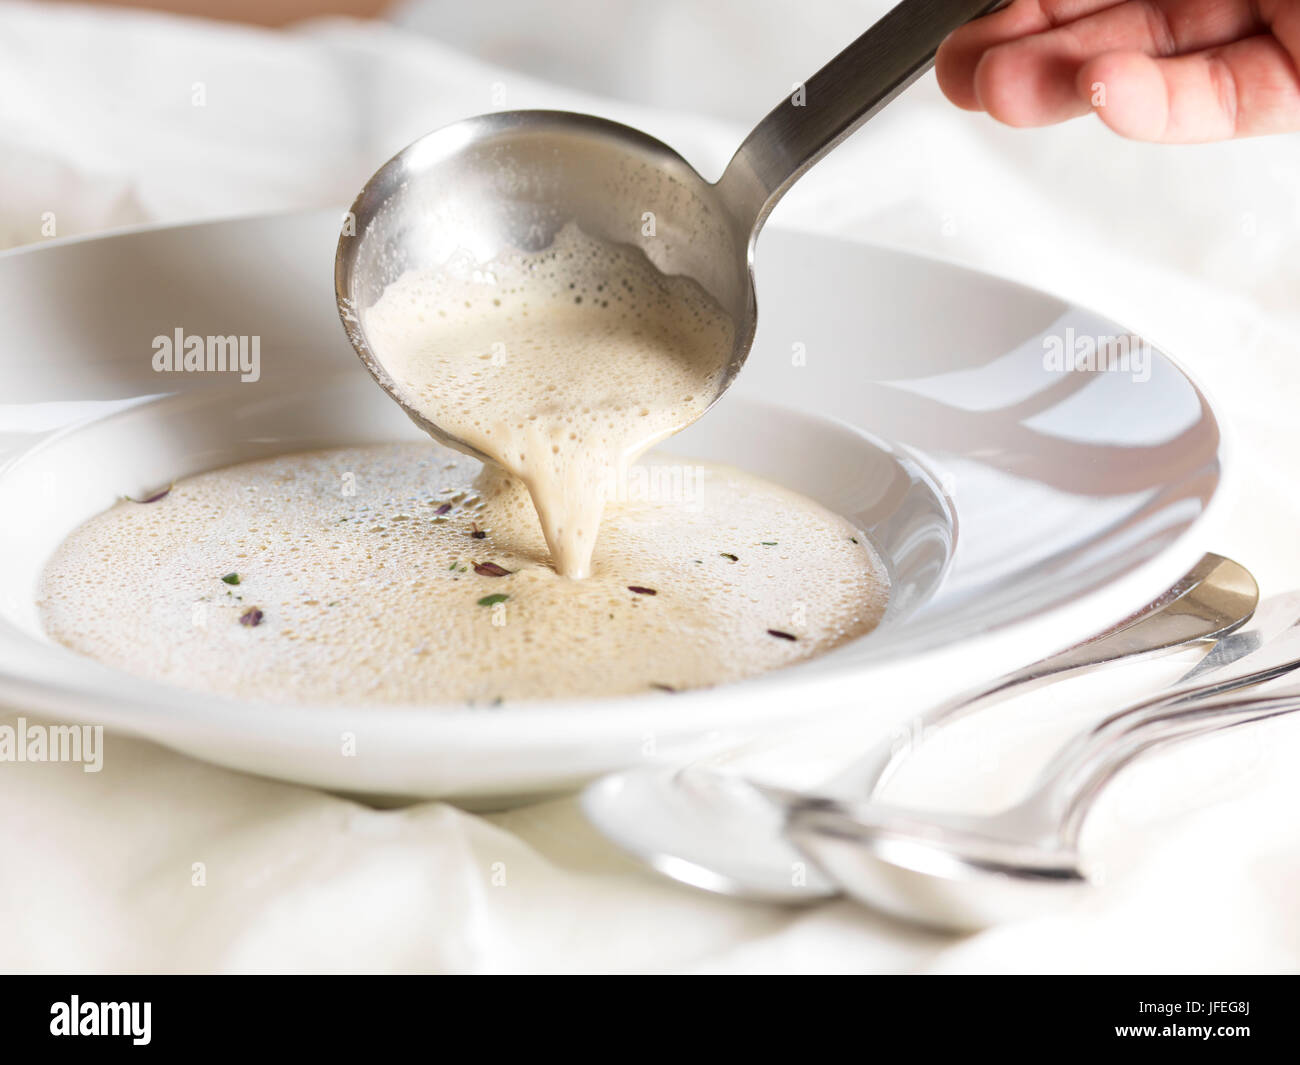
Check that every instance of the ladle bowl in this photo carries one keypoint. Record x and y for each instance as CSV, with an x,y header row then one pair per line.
x,y
512,180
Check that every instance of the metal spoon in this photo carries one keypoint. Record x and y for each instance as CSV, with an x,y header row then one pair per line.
x,y
514,179
969,872
714,830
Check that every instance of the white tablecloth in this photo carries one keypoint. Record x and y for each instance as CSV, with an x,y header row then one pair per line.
x,y
111,118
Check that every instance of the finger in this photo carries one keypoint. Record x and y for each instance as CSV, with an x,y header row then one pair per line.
x,y
958,56
1244,89
1033,81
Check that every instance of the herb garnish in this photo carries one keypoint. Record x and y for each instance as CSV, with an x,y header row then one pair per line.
x,y
231,578
250,617
728,554
490,569
641,590
442,509
478,533
781,635
492,600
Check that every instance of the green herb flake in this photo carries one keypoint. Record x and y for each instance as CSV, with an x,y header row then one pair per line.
x,y
729,555
231,578
492,600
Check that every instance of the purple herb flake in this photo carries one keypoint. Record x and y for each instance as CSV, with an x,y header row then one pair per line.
x,y
153,497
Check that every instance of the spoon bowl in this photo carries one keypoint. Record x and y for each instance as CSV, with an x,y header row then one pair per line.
x,y
512,180
926,871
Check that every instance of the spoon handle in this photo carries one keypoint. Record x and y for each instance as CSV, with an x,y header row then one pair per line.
x,y
846,92
1255,678
1067,787
1214,598
1073,796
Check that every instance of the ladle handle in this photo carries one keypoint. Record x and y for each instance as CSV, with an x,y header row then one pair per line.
x,y
838,98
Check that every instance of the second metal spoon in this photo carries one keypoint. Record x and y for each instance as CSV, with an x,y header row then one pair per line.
x,y
969,871
713,830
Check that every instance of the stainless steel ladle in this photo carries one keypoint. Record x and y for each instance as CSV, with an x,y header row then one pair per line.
x,y
514,179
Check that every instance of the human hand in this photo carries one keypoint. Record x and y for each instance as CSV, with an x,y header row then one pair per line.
x,y
1176,71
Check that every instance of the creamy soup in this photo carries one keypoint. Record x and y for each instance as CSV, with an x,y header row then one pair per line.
x,y
561,366
409,573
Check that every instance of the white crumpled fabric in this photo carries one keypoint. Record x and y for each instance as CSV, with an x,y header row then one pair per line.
x,y
111,118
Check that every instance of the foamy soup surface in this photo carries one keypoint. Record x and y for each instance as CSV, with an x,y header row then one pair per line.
x,y
400,573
